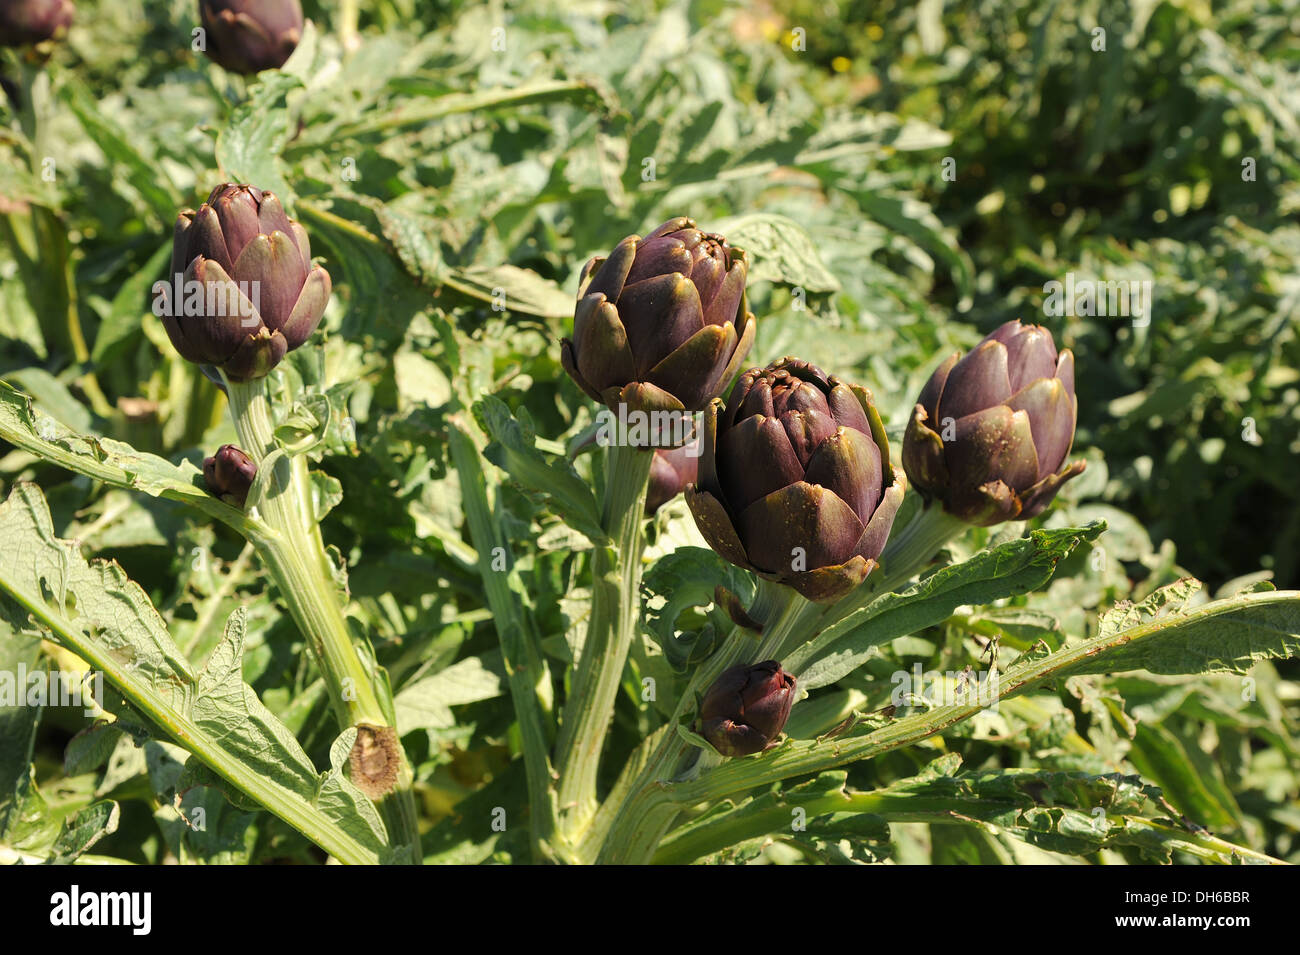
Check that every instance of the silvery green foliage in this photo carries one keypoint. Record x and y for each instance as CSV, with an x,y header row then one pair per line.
x,y
453,180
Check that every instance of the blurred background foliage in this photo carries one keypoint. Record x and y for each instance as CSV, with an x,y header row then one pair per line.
x,y
467,155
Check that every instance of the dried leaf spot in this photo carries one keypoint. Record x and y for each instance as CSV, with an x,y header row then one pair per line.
x,y
374,760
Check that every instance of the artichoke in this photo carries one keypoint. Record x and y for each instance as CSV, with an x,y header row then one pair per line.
x,y
246,36
745,709
662,324
670,472
795,481
229,474
245,292
990,432
23,22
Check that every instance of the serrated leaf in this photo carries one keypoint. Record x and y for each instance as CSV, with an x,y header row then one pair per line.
x,y
426,703
104,459
97,612
779,250
1015,567
512,289
688,577
513,449
304,426
250,143
85,829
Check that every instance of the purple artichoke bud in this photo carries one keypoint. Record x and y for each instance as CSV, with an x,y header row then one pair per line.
x,y
23,22
990,432
670,472
229,474
246,36
662,324
795,481
745,709
242,291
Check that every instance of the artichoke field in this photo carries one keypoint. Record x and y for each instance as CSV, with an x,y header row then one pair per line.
x,y
665,433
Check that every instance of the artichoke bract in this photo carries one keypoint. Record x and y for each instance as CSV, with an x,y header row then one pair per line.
x,y
23,22
247,36
662,324
745,709
229,474
991,430
243,292
670,471
795,481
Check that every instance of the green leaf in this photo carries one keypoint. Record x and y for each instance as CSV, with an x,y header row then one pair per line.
x,y
687,578
802,814
112,462
512,289
914,219
83,830
52,397
124,320
1222,636
303,428
513,450
1015,567
97,612
426,703
145,176
326,493
779,250
414,239
1191,781
249,145
18,725
91,748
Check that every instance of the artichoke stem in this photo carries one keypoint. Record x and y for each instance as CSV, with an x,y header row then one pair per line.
x,y
647,815
911,549
615,605
297,560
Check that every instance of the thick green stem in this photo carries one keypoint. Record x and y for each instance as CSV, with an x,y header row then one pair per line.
x,y
912,548
694,843
643,819
300,565
526,671
615,607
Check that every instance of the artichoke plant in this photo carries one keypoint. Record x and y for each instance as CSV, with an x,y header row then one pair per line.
x,y
229,474
991,430
670,471
795,481
745,709
23,22
244,290
662,324
247,36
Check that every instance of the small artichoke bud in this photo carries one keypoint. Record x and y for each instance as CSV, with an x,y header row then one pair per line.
x,y
670,471
746,708
24,22
242,291
247,36
795,482
662,324
991,430
229,474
